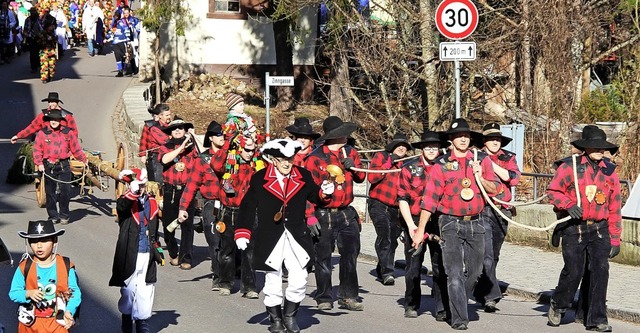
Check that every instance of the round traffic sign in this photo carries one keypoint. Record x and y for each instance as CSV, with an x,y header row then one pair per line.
x,y
456,19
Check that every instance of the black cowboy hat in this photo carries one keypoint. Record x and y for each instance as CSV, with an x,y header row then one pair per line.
x,y
594,137
40,229
333,128
177,122
460,125
398,139
214,129
431,137
54,114
492,130
302,127
159,108
53,97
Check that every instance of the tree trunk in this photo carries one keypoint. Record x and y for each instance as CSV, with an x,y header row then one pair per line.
x,y
156,68
526,94
284,61
339,102
428,41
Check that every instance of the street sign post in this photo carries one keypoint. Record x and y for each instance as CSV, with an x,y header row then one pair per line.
x,y
273,81
456,20
460,51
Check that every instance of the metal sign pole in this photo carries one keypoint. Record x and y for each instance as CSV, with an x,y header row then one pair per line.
x,y
457,83
266,102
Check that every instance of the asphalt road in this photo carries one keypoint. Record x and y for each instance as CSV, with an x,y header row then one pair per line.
x,y
184,302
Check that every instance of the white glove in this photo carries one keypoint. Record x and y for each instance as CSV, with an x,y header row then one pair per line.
x,y
242,243
135,186
327,187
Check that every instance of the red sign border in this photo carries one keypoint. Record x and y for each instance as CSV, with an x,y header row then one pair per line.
x,y
461,35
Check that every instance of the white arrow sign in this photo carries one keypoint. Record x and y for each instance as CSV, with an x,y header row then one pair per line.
x,y
462,51
280,81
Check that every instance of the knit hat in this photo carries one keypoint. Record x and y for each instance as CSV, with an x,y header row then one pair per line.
x,y
232,100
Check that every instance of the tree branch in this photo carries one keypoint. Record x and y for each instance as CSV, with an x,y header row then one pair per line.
x,y
603,54
502,16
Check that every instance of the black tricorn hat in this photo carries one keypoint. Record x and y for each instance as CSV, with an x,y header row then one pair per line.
x,y
594,137
302,127
493,130
398,139
215,129
177,122
53,114
431,137
333,128
40,229
53,97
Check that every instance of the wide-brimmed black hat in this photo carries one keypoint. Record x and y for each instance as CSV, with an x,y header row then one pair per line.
x,y
53,97
40,229
285,148
492,130
459,125
431,137
594,137
398,139
333,128
177,122
53,114
214,129
302,127
159,108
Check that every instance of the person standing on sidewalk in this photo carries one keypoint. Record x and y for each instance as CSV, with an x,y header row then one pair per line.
x,y
52,148
277,196
207,182
302,132
240,154
383,205
411,184
337,222
452,192
178,158
594,229
504,163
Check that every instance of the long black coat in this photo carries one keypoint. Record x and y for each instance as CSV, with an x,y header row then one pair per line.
x,y
124,260
265,199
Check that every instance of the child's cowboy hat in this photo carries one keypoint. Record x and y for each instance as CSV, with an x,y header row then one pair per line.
x,y
40,229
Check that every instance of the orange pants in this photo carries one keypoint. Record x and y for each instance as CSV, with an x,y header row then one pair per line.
x,y
43,325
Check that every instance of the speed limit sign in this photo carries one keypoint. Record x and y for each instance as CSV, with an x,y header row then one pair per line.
x,y
456,19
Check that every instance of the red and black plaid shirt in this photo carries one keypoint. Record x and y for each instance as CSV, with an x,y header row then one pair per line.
x,y
144,140
506,160
444,185
203,179
153,139
298,159
384,186
411,183
562,193
172,176
56,144
39,123
317,165
240,183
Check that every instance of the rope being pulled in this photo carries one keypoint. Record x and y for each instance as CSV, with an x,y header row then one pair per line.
x,y
499,211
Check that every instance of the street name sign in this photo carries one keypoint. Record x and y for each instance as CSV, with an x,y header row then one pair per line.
x,y
456,19
461,51
280,81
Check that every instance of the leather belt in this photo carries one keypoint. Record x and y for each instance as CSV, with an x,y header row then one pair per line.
x,y
176,187
56,161
590,222
468,217
332,210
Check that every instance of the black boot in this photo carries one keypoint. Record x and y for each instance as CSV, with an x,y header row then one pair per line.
x,y
275,315
142,326
290,312
127,323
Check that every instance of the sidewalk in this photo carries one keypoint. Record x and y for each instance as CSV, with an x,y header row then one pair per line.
x,y
533,273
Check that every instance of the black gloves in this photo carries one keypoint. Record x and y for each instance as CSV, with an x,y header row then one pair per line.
x,y
314,229
575,212
348,163
615,250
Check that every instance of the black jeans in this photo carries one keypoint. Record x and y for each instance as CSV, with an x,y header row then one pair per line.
x,y
170,210
211,216
385,221
584,243
413,292
341,227
227,255
58,193
462,253
34,54
495,226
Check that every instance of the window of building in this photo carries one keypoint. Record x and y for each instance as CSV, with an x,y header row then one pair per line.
x,y
226,9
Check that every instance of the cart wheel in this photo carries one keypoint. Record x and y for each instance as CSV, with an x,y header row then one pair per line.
x,y
122,162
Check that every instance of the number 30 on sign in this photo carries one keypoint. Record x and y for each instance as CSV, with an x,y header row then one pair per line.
x,y
456,19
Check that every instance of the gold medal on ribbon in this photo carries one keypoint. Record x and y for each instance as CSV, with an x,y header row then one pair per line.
x,y
179,166
466,194
221,227
590,192
600,197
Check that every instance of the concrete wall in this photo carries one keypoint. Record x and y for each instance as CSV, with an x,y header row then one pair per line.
x,y
210,41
